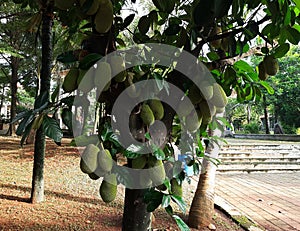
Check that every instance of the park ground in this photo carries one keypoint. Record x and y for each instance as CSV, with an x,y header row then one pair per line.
x,y
72,200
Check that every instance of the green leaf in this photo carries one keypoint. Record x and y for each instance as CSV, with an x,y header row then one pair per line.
x,y
21,115
84,140
26,132
173,29
41,101
179,201
55,93
297,2
269,89
213,56
243,66
159,154
89,61
152,205
128,20
27,119
144,24
120,42
67,116
166,201
52,129
152,195
293,35
183,226
281,50
169,210
68,101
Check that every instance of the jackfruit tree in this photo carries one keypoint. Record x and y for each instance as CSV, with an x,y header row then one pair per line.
x,y
166,85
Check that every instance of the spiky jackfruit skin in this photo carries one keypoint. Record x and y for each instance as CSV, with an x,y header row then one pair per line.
x,y
157,108
85,80
105,161
219,98
145,180
108,188
139,162
70,81
93,8
271,65
88,161
262,75
207,111
193,121
195,94
176,188
157,173
118,68
131,88
147,115
104,17
102,76
184,108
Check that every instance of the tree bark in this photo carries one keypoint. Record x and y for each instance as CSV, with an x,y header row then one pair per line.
x,y
14,88
135,216
202,207
37,191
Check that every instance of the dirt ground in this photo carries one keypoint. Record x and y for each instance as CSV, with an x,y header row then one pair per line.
x,y
72,200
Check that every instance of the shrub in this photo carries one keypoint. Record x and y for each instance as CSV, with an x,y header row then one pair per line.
x,y
252,128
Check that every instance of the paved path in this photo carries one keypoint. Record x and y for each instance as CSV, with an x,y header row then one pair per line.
x,y
272,200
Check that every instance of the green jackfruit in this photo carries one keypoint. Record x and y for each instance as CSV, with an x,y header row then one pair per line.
x,y
131,89
219,98
262,72
93,8
94,176
176,188
70,81
207,111
139,162
207,89
118,68
220,109
193,121
104,17
86,80
271,65
63,4
195,94
147,115
184,108
108,188
157,108
102,76
88,161
105,161
157,173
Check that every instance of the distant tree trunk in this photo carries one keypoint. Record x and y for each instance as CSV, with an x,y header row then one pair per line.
x,y
37,191
14,88
266,115
2,97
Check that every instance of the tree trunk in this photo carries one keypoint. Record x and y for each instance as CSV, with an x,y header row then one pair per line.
x,y
37,191
202,207
14,88
266,115
135,216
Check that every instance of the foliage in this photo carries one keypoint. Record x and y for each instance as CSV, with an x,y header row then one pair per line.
x,y
252,128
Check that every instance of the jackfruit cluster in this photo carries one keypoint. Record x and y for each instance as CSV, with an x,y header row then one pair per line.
x,y
152,110
201,104
97,162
